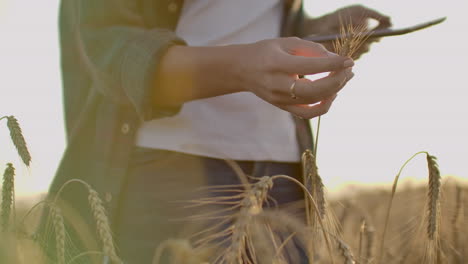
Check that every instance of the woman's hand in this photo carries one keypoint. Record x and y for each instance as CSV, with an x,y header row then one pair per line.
x,y
355,15
270,68
267,68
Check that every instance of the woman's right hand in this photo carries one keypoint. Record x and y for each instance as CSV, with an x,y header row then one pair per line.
x,y
269,68
266,68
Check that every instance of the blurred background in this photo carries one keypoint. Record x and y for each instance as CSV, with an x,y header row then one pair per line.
x,y
409,94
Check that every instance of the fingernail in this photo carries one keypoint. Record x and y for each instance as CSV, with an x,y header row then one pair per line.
x,y
348,63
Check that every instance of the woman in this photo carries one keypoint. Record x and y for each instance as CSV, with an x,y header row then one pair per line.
x,y
158,93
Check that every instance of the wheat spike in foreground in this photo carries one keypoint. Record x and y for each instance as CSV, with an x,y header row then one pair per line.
x,y
59,229
313,182
433,252
18,140
7,195
103,225
251,205
100,217
352,38
433,196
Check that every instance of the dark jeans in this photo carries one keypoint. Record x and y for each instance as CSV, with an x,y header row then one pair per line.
x,y
159,182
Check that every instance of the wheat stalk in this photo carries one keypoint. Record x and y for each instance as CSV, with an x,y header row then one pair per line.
x,y
362,229
251,205
390,203
239,234
323,226
235,218
18,140
319,211
8,198
370,232
455,221
313,183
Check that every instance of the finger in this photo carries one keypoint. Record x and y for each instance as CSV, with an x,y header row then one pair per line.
x,y
304,57
330,99
310,111
360,10
309,92
300,47
292,96
306,66
384,21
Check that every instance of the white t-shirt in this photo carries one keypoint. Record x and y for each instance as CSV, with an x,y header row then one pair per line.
x,y
237,126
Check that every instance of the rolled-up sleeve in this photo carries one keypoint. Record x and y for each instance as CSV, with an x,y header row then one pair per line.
x,y
118,51
138,68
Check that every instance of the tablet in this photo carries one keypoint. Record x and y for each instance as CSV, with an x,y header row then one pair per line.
x,y
378,33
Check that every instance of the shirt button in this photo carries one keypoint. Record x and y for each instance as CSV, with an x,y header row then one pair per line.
x,y
125,128
108,197
172,7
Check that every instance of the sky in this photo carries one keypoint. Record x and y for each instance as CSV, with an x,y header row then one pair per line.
x,y
408,94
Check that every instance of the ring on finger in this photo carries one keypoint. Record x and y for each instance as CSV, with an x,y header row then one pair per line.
x,y
292,89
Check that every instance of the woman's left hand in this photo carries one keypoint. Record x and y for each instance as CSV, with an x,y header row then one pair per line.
x,y
355,15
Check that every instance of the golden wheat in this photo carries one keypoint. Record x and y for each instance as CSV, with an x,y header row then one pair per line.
x,y
103,226
433,196
8,198
100,217
251,205
433,210
313,182
59,230
249,234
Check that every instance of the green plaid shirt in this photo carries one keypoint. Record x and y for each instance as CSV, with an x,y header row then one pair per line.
x,y
110,51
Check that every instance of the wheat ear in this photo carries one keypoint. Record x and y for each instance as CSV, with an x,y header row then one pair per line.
x,y
239,214
433,196
59,228
326,233
100,217
351,38
433,210
8,198
103,226
314,184
18,140
251,205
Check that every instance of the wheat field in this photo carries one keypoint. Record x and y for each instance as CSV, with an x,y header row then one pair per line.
x,y
414,224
